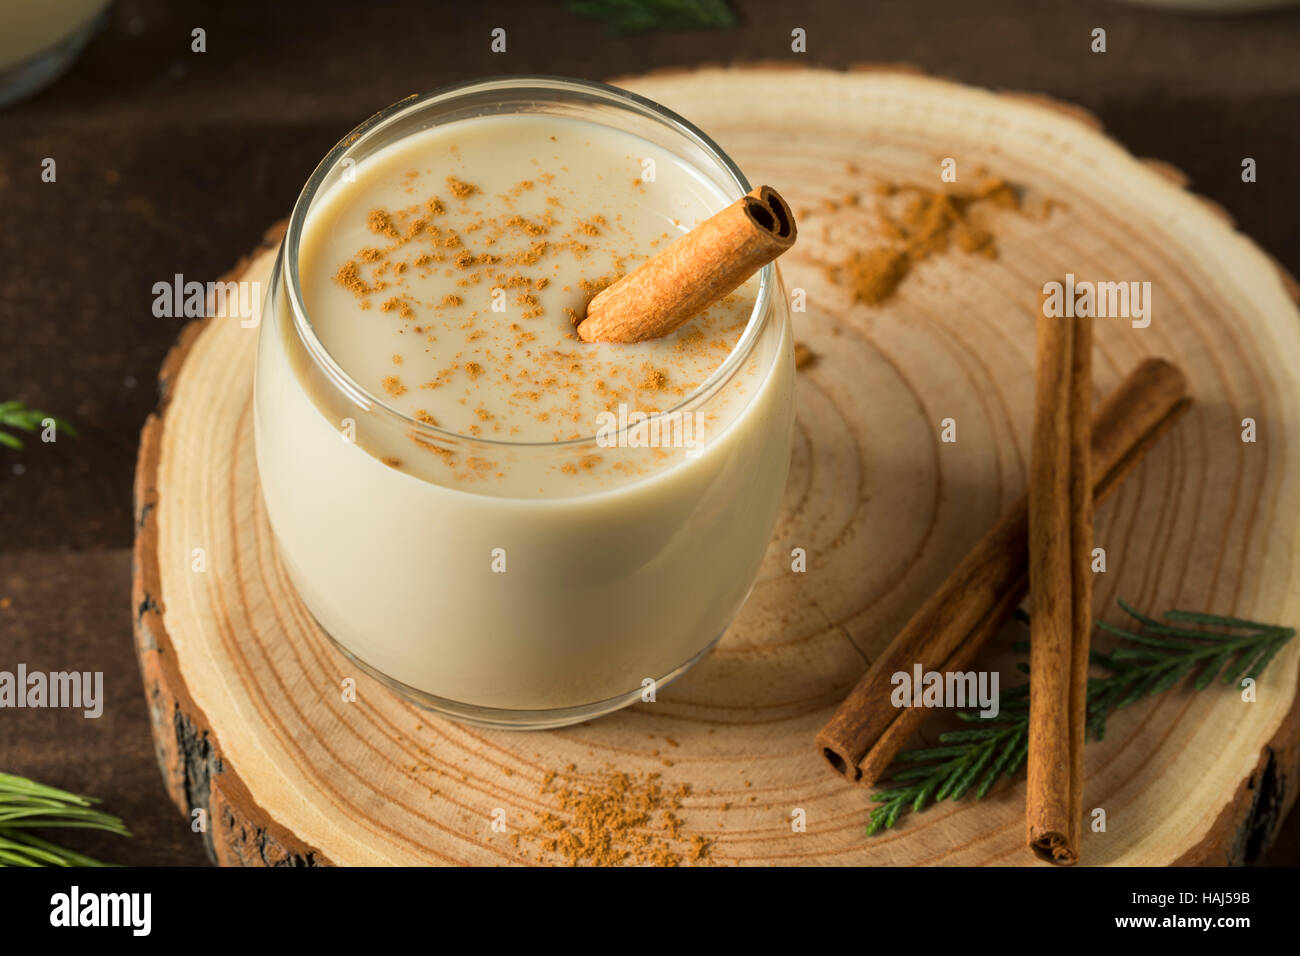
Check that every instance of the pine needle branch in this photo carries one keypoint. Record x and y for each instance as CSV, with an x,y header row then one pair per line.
x,y
15,416
1147,662
26,805
643,16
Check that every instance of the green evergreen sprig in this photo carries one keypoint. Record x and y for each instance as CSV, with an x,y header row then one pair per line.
x,y
26,805
644,16
14,415
1147,662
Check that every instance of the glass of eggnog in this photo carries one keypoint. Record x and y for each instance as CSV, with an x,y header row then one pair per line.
x,y
39,39
496,519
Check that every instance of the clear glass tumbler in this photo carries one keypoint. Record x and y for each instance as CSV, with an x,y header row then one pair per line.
x,y
603,594
39,39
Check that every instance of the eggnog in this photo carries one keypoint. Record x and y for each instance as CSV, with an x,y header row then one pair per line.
x,y
503,521
29,28
39,38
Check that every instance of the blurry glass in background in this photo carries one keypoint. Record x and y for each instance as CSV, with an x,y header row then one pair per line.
x,y
39,39
1214,6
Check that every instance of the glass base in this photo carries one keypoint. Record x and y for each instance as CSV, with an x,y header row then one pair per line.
x,y
499,718
21,80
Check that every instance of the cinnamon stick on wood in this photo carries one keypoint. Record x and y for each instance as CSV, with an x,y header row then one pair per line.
x,y
865,734
1060,550
692,273
1081,528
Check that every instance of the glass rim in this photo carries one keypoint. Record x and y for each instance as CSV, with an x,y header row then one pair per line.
x,y
340,379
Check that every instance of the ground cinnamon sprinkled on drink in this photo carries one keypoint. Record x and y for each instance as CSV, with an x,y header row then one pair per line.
x,y
349,276
399,305
460,189
486,242
652,377
692,339
381,222
592,226
522,224
592,286
585,463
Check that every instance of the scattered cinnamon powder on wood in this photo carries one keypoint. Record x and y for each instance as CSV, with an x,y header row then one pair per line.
x,y
616,818
928,222
803,355
699,848
873,274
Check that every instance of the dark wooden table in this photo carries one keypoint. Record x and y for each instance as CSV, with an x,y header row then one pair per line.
x,y
171,161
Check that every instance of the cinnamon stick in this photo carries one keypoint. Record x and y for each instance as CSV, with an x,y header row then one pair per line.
x,y
693,272
967,610
1081,539
1060,546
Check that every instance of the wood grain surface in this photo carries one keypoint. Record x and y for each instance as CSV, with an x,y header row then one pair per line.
x,y
244,689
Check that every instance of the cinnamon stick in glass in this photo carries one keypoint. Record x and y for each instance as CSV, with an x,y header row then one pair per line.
x,y
693,272
866,732
1060,547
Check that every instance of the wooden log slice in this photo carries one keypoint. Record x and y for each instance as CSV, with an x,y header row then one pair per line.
x,y
249,720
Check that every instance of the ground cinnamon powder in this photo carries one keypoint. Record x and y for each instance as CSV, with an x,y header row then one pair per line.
x,y
874,274
653,378
918,223
459,188
473,237
615,818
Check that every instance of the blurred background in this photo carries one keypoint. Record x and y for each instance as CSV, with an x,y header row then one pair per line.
x,y
171,161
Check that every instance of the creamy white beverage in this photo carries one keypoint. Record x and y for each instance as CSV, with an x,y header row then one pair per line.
x,y
29,28
448,277
473,502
